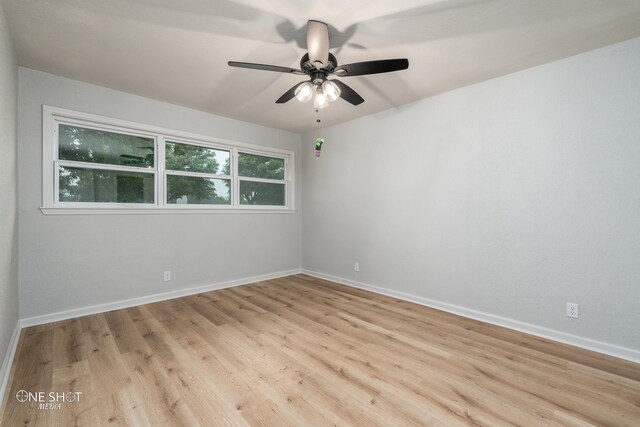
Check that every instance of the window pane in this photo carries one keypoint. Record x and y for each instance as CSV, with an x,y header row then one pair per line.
x,y
262,193
105,186
193,158
254,166
97,146
183,190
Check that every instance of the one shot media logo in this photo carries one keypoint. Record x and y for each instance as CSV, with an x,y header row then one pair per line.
x,y
52,400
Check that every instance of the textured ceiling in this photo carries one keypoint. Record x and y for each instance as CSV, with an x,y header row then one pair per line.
x,y
177,51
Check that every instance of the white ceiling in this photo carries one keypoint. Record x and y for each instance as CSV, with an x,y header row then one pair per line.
x,y
177,50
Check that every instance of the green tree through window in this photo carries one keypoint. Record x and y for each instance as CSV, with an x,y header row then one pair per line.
x,y
196,190
257,192
79,184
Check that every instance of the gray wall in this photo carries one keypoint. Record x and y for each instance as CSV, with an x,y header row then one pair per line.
x,y
510,197
8,188
74,261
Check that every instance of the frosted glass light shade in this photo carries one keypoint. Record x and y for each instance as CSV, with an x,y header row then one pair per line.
x,y
320,101
304,92
331,90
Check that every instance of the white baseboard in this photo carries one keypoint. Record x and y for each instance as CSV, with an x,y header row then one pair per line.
x,y
563,337
116,305
7,362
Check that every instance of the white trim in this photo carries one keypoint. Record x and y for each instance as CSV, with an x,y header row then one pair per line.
x,y
235,187
102,166
166,210
264,180
131,302
540,331
161,178
198,174
49,172
7,362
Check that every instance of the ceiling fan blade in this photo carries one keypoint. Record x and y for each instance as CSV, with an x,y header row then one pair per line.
x,y
318,43
288,95
348,94
264,67
371,67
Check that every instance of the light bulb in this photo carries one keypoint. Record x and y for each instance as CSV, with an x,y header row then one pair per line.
x,y
331,90
320,101
304,92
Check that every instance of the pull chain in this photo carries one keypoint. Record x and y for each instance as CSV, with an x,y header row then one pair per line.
x,y
319,141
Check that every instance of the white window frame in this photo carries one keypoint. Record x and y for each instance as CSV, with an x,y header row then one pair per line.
x,y
54,116
88,165
252,179
165,172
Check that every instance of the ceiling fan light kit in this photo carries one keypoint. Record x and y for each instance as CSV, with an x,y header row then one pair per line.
x,y
320,101
318,63
331,90
304,92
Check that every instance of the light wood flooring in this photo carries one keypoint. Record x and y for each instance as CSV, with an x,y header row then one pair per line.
x,y
300,351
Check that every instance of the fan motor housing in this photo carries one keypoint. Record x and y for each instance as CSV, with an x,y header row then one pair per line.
x,y
308,67
318,77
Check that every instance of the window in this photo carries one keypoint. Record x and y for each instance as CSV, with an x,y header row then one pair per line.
x,y
99,166
261,180
94,164
197,175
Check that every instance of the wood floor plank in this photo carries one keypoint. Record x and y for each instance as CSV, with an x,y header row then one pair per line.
x,y
33,374
159,398
304,351
69,344
122,330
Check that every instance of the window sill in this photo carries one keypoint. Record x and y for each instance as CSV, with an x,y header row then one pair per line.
x,y
59,210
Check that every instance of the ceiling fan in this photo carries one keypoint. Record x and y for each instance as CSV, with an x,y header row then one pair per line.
x,y
318,63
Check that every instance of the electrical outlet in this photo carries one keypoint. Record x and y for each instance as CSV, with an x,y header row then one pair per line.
x,y
356,266
167,276
572,310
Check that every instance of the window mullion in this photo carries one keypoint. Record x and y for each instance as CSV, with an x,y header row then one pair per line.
x,y
197,174
235,198
103,166
161,180
266,180
286,181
